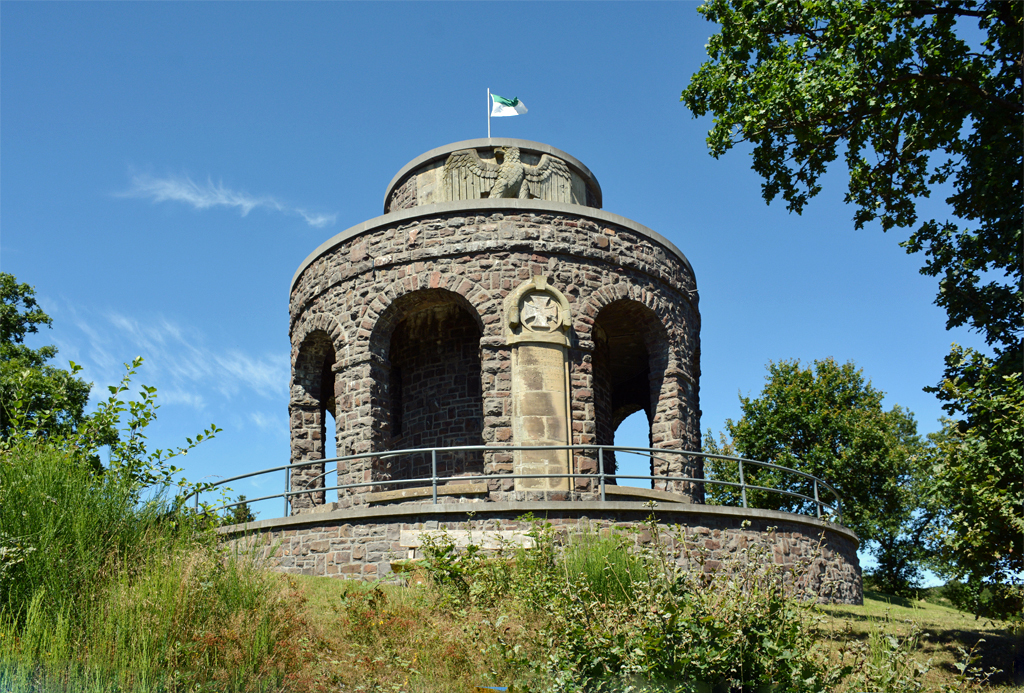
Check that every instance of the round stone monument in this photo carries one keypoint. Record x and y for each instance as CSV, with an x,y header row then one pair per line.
x,y
495,304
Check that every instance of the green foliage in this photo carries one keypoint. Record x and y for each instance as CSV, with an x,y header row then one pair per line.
x,y
62,524
63,519
20,315
35,398
238,514
617,612
107,585
902,93
177,614
827,421
895,88
605,565
683,631
129,455
981,531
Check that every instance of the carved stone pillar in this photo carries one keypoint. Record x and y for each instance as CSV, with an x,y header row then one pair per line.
x,y
537,329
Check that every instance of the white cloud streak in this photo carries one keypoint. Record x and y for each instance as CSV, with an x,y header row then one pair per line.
x,y
210,194
177,361
268,422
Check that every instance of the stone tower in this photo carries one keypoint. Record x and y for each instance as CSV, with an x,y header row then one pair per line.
x,y
493,303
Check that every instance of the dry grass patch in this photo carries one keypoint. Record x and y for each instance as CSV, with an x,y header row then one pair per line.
x,y
384,637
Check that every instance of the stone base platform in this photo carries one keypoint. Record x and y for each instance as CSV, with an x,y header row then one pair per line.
x,y
362,543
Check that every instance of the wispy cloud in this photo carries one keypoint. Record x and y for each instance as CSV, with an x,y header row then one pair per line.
x,y
205,196
269,422
178,361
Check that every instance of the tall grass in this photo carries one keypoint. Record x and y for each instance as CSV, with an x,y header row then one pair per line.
x,y
605,565
61,525
99,592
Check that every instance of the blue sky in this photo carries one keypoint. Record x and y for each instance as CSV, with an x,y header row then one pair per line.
x,y
165,167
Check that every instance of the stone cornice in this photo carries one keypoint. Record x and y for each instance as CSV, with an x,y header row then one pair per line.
x,y
457,512
484,207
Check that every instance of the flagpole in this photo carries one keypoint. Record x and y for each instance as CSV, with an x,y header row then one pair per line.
x,y
488,113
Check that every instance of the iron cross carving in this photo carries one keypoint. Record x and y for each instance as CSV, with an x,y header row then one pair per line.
x,y
540,313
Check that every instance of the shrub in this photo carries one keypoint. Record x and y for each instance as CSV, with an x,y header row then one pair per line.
x,y
620,615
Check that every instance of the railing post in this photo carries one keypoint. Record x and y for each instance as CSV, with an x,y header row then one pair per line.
x,y
287,485
600,470
433,473
817,503
743,485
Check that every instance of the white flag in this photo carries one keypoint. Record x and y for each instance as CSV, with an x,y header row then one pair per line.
x,y
506,107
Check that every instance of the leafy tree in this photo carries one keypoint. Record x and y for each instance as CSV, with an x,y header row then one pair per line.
x,y
50,400
979,477
897,89
41,403
826,420
915,104
238,514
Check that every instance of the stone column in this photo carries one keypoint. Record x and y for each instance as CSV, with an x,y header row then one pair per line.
x,y
355,425
307,428
537,329
495,379
676,427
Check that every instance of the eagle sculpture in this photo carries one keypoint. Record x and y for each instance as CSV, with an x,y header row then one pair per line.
x,y
467,176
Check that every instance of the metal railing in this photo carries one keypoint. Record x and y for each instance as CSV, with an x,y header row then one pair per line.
x,y
653,454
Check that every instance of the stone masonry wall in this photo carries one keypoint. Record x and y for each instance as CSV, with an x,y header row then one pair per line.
x,y
823,556
434,397
404,196
479,259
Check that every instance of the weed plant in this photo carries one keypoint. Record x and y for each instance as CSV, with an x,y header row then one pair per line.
x,y
608,612
107,586
102,593
605,566
617,614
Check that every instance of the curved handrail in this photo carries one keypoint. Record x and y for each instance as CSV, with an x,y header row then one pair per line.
x,y
601,477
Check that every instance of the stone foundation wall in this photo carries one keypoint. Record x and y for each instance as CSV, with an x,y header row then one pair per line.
x,y
362,544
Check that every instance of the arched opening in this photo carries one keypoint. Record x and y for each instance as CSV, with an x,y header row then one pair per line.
x,y
313,413
433,397
633,432
330,446
630,355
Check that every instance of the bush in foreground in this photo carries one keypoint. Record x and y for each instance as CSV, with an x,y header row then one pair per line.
x,y
107,586
607,612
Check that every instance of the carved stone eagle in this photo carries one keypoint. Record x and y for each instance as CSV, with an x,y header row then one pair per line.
x,y
466,176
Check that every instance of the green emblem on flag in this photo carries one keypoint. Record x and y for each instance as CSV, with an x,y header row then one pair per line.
x,y
506,107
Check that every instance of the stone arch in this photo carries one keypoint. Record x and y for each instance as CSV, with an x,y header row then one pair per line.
x,y
397,302
425,355
640,294
630,357
673,413
313,395
312,322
